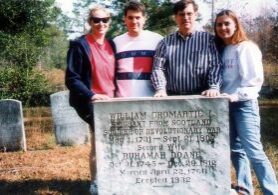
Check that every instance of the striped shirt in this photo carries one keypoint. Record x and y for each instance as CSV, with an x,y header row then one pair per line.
x,y
134,57
186,65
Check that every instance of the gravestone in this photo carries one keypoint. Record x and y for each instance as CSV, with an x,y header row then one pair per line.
x,y
176,145
12,134
69,128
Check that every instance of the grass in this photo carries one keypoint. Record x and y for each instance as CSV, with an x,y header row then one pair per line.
x,y
38,127
61,170
268,102
47,168
271,74
56,78
50,169
269,126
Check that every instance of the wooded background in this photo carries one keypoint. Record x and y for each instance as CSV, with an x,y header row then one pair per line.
x,y
34,36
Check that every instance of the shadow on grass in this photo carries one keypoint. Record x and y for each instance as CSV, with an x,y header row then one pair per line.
x,y
30,187
269,125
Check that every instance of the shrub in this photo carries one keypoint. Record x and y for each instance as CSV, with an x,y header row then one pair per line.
x,y
27,85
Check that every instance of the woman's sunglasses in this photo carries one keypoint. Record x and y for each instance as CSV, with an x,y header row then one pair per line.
x,y
98,20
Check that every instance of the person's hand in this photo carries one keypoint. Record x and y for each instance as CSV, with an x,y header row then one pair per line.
x,y
211,93
100,97
160,93
232,97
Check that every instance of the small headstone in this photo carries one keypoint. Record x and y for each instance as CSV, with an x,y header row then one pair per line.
x,y
69,128
168,146
12,134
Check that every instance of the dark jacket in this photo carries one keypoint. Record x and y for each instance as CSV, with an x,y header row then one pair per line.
x,y
78,75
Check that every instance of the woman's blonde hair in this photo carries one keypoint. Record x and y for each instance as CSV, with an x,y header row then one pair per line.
x,y
96,8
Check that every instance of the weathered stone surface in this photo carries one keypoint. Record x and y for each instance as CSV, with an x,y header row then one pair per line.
x,y
169,146
12,134
69,128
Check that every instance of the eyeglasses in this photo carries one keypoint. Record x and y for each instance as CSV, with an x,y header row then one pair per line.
x,y
188,14
98,20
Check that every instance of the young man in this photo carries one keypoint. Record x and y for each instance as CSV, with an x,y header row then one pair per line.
x,y
134,54
186,62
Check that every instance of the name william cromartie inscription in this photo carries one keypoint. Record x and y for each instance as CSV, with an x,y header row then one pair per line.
x,y
168,146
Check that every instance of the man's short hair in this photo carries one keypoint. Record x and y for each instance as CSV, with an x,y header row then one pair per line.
x,y
181,5
135,6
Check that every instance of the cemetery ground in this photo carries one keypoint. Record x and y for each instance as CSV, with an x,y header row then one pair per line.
x,y
47,168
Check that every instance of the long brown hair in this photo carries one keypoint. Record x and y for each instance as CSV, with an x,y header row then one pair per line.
x,y
239,34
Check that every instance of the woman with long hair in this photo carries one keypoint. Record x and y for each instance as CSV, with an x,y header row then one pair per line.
x,y
242,80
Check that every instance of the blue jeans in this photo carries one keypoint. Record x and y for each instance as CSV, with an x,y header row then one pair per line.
x,y
246,146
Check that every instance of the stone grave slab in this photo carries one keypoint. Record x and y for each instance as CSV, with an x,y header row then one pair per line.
x,y
69,128
12,133
163,146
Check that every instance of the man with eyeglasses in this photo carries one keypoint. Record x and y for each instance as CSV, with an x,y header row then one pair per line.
x,y
186,62
134,54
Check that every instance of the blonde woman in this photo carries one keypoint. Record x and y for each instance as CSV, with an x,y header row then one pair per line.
x,y
90,73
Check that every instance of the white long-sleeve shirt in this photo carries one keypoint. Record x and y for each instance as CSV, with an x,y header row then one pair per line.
x,y
243,70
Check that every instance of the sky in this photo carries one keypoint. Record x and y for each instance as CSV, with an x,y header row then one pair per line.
x,y
241,7
65,5
252,6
